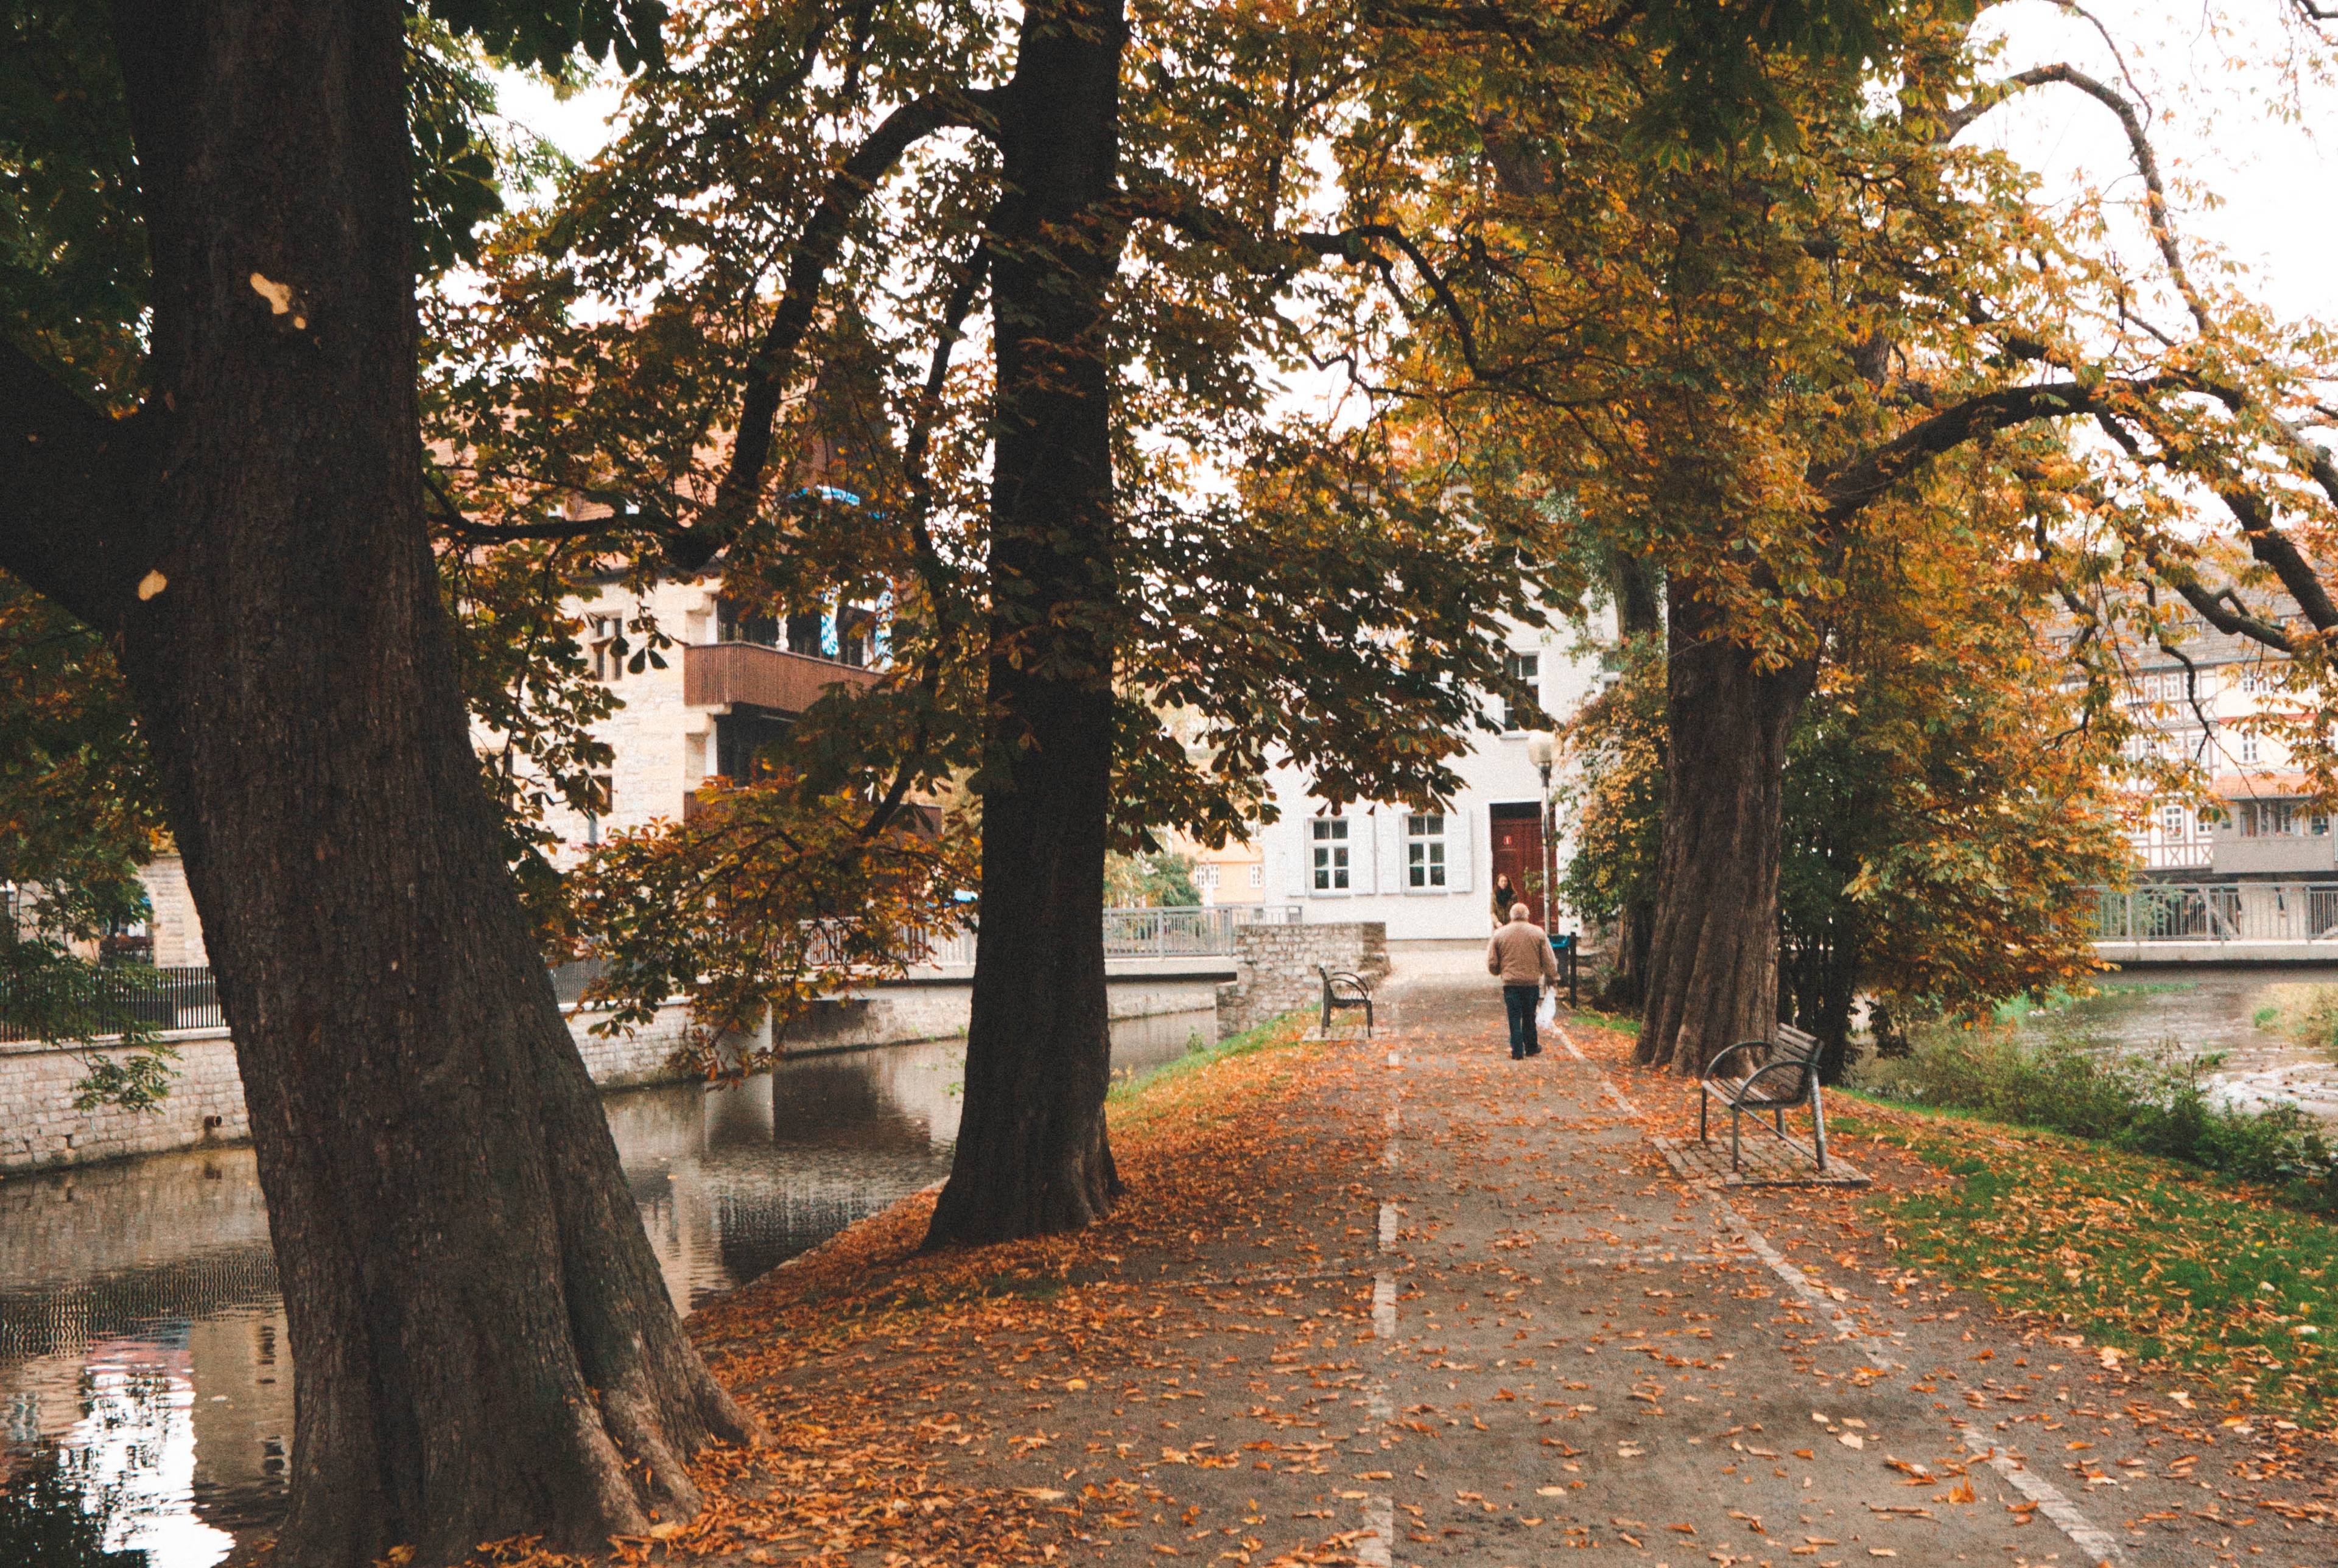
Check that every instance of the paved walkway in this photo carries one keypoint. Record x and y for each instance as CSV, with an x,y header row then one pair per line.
x,y
1596,1344
1442,1308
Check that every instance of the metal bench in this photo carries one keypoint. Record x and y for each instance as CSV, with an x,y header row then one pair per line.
x,y
1783,1075
1342,988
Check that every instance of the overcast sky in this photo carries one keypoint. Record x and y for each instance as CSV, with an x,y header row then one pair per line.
x,y
2213,75
2208,66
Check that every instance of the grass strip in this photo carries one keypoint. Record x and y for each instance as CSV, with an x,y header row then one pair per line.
x,y
2171,1266
1127,1093
1592,1018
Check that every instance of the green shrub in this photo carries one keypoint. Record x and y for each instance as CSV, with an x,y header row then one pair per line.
x,y
2306,1013
2154,1103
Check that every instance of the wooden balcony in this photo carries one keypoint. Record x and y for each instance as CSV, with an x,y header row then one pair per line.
x,y
726,674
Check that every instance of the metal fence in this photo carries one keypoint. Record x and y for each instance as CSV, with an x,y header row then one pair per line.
x,y
1174,931
1179,931
2219,912
98,1002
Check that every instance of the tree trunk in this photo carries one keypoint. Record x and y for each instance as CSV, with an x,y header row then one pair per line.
x,y
1639,618
1818,985
1032,1156
1639,590
483,1342
1713,963
1831,1023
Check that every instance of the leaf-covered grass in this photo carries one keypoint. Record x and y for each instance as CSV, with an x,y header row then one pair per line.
x,y
1136,1092
2163,1261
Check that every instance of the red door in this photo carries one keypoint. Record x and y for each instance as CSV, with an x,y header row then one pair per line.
x,y
1517,854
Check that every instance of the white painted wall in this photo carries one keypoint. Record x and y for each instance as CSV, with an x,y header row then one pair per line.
x,y
1494,771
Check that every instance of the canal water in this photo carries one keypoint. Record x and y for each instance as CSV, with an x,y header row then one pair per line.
x,y
144,1383
2248,1016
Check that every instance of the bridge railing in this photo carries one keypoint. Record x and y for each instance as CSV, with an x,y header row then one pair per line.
x,y
1172,931
1179,931
2218,912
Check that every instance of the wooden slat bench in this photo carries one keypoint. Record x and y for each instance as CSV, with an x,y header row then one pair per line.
x,y
1761,1076
1342,988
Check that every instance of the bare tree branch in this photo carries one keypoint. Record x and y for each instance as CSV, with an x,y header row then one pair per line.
x,y
815,254
2139,140
1278,254
952,327
2259,529
1845,489
2223,609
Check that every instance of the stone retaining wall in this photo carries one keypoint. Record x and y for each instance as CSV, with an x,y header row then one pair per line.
x,y
39,1126
39,1129
1278,968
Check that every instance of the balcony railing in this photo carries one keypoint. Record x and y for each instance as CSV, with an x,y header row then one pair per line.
x,y
724,674
2219,912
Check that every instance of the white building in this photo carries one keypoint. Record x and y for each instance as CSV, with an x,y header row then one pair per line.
x,y
1430,877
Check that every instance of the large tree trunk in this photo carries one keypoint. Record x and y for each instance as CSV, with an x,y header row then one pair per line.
x,y
483,1343
1031,1156
1639,617
1713,963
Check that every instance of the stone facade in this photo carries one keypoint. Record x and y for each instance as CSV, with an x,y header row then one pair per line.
x,y
1429,875
662,747
1278,968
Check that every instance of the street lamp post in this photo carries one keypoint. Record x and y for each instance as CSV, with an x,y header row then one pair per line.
x,y
1542,749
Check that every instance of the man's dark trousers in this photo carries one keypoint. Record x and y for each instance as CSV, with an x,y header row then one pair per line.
x,y
1521,1000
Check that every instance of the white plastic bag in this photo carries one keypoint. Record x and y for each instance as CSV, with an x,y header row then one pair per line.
x,y
1547,1010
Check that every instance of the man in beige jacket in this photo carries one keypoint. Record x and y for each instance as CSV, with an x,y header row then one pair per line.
x,y
1520,954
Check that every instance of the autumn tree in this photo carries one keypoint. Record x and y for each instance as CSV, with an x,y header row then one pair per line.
x,y
1060,321
1945,787
1733,362
227,481
2215,499
1950,787
211,445
1103,510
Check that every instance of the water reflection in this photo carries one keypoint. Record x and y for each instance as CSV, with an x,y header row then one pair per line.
x,y
143,1361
